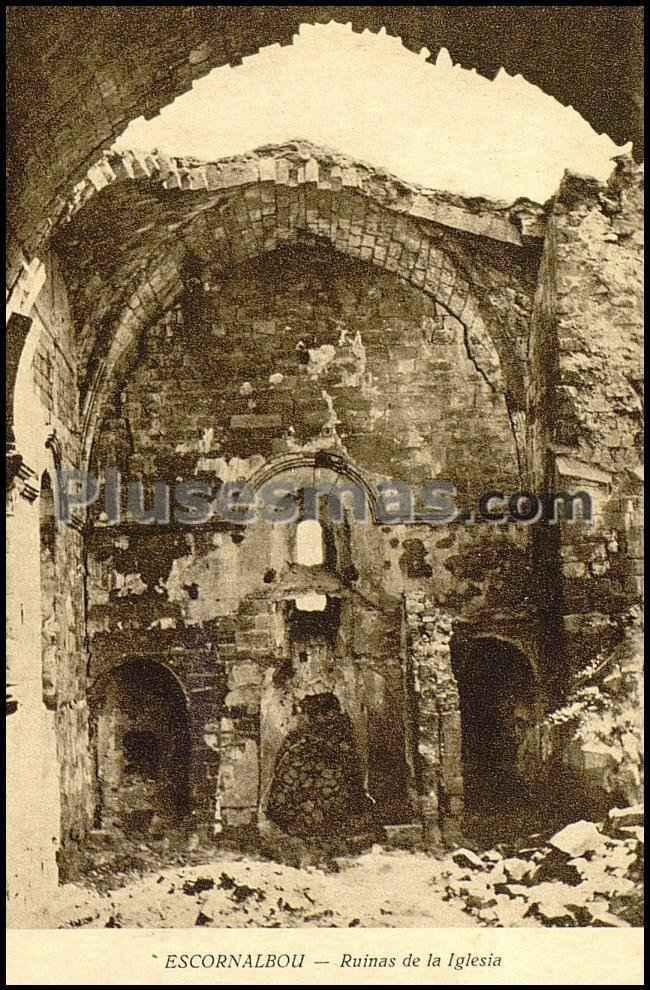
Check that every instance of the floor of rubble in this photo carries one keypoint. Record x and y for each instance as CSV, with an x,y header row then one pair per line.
x,y
585,874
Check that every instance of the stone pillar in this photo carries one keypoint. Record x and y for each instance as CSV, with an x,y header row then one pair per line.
x,y
585,406
203,675
239,771
437,715
238,786
21,533
18,327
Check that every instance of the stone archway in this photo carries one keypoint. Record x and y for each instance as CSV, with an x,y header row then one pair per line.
x,y
188,225
499,698
142,748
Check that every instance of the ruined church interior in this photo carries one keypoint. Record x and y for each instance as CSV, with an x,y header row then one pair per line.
x,y
295,316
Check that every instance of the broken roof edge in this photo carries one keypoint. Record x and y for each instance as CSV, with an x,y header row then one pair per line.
x,y
302,163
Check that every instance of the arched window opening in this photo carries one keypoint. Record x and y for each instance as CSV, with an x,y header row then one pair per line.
x,y
310,548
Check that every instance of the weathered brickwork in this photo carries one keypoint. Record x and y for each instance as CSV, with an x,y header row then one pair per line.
x,y
599,250
585,433
294,316
586,404
309,350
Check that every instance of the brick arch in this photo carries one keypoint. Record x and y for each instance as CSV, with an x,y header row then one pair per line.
x,y
103,675
136,675
471,639
332,461
161,226
200,709
80,74
501,699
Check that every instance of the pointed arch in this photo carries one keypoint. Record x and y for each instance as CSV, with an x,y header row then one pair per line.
x,y
184,222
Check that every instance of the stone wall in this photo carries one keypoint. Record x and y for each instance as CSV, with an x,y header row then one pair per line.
x,y
586,402
300,352
48,756
585,423
304,347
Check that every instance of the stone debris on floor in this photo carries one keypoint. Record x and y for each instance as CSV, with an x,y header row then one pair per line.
x,y
585,874
379,888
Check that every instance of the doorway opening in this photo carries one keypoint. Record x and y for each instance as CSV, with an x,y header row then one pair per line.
x,y
497,703
143,748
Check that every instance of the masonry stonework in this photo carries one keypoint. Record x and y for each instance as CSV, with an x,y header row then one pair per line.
x,y
79,106
294,317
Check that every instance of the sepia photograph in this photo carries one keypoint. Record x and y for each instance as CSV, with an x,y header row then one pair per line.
x,y
324,492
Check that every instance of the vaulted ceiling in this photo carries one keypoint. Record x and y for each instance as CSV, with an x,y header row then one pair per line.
x,y
141,231
78,75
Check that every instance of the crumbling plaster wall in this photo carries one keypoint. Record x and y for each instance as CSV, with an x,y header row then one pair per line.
x,y
310,351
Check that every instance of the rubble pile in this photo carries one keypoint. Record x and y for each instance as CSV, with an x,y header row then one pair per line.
x,y
586,874
379,888
317,787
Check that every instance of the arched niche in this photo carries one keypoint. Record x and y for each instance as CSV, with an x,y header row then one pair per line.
x,y
142,748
